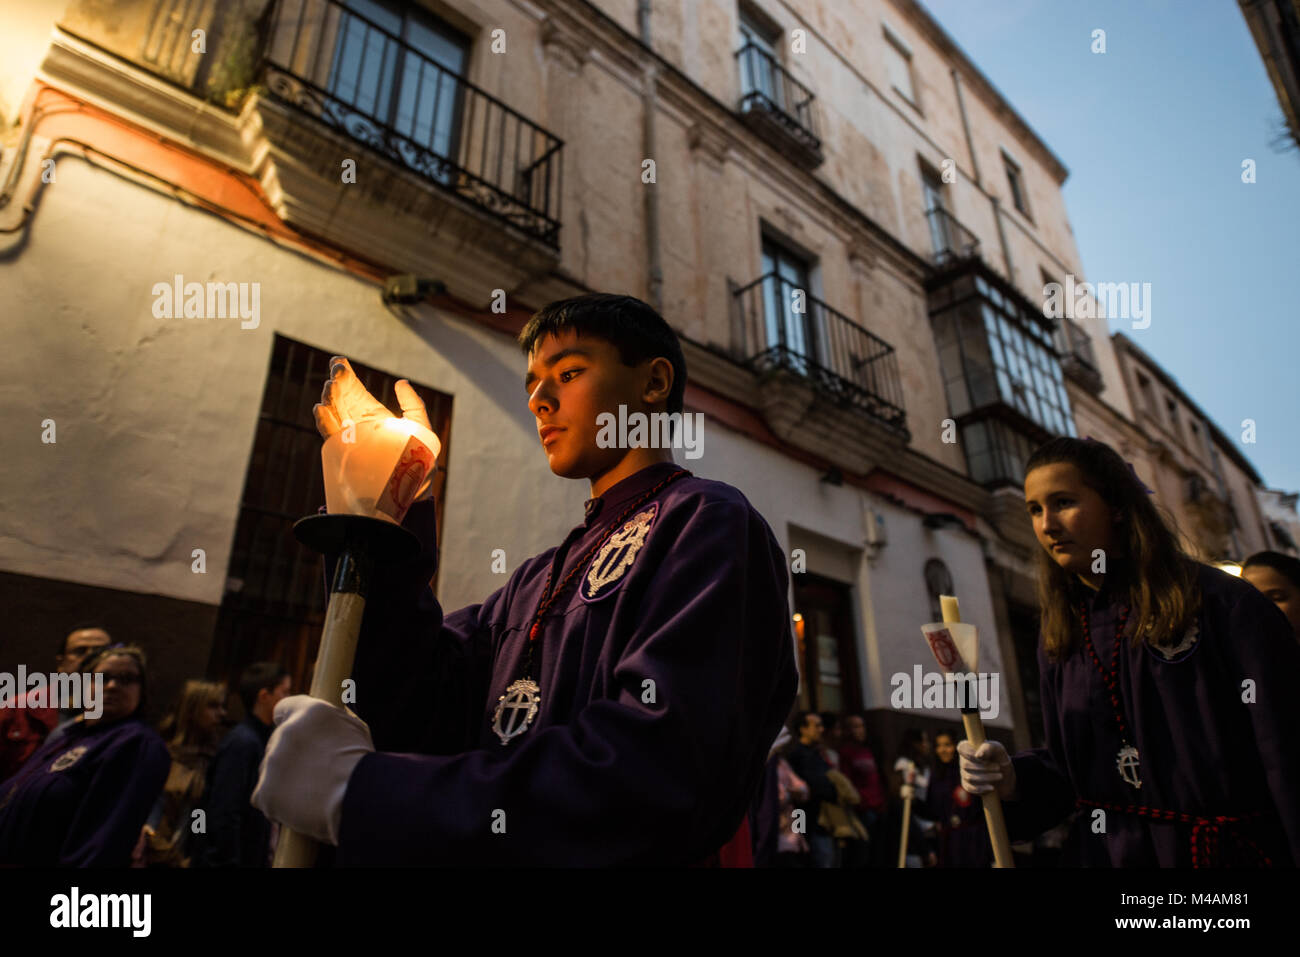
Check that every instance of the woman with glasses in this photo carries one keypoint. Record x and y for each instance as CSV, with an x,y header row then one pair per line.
x,y
81,800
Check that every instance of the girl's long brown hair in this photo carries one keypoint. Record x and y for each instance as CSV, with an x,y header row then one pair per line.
x,y
1159,577
180,729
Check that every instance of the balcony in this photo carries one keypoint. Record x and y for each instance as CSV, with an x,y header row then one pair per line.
x,y
778,107
356,78
354,136
1078,361
780,330
952,241
1001,374
1212,518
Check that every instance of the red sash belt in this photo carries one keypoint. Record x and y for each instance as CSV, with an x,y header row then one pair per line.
x,y
1207,832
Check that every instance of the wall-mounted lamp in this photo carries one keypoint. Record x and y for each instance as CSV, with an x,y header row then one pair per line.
x,y
407,288
875,533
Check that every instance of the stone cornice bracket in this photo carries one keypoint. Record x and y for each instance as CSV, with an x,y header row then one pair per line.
x,y
789,221
563,46
862,258
709,144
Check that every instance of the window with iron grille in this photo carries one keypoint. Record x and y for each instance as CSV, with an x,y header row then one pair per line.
x,y
789,323
758,72
403,66
392,76
275,597
936,206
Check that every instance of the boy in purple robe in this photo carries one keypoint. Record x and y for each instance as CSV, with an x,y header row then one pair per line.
x,y
612,704
1167,688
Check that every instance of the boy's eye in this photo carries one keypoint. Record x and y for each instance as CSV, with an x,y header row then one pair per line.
x,y
568,372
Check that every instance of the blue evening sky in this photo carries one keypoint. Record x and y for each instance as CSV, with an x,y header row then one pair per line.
x,y
1154,132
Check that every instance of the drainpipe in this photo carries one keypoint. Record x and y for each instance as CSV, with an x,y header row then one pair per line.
x,y
1002,236
655,273
975,168
965,125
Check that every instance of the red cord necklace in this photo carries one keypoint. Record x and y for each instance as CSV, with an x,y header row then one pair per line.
x,y
1127,761
516,708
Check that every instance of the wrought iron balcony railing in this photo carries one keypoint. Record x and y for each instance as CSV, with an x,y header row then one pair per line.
x,y
1077,357
951,240
353,75
775,102
782,327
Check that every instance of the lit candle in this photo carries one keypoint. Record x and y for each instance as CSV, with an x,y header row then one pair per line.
x,y
380,470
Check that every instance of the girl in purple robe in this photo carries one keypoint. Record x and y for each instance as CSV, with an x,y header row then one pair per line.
x,y
1168,708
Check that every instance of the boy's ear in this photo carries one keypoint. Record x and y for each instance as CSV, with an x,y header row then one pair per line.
x,y
660,383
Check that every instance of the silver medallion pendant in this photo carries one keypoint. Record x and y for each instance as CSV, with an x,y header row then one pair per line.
x,y
521,701
1127,762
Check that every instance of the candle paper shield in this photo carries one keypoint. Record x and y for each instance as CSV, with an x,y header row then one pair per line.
x,y
955,646
379,474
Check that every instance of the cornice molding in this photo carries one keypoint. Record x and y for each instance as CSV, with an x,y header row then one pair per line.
x,y
563,45
709,143
118,87
621,52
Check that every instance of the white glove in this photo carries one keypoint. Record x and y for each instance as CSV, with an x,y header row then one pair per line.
x,y
986,769
344,399
907,792
309,758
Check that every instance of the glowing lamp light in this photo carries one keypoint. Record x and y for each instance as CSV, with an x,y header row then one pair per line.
x,y
381,471
1232,568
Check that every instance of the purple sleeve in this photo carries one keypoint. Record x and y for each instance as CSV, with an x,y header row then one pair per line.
x,y
1262,648
1046,796
130,776
628,781
421,679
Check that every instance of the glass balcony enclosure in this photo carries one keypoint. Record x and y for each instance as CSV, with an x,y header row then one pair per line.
x,y
1002,375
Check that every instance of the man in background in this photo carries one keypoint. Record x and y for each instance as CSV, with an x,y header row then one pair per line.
x,y
238,835
24,729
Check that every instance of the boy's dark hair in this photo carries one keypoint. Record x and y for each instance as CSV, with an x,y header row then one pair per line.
x,y
259,675
634,328
798,720
1284,565
910,746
